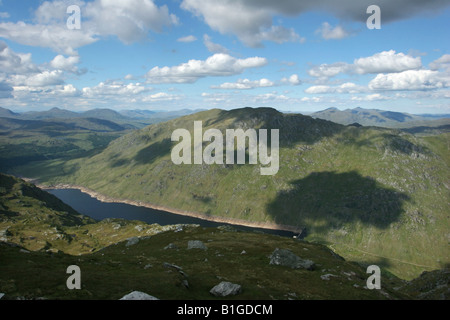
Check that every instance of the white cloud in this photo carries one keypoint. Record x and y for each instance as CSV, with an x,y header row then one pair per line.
x,y
276,34
67,90
329,33
243,84
213,47
371,97
56,37
23,75
311,99
441,63
42,79
328,70
348,87
271,97
160,96
382,62
252,25
293,80
114,89
252,20
218,65
386,62
189,38
15,63
129,77
129,20
67,64
410,80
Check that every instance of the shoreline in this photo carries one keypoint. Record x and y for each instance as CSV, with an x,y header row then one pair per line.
x,y
104,198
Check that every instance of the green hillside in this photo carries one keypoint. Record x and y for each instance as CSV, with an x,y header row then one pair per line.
x,y
40,237
372,194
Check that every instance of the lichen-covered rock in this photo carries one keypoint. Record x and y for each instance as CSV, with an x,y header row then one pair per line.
x,y
138,295
196,244
132,241
285,257
225,288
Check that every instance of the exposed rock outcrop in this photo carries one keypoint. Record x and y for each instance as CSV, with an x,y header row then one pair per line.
x,y
285,257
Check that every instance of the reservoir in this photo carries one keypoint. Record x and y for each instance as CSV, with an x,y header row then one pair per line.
x,y
89,206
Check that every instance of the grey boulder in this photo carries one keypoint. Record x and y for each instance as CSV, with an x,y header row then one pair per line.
x,y
285,257
138,295
196,244
225,288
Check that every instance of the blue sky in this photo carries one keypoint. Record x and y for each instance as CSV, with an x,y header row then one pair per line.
x,y
292,55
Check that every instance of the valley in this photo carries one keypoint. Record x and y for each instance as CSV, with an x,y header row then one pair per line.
x,y
376,195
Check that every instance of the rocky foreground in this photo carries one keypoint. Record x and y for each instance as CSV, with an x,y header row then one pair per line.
x,y
192,262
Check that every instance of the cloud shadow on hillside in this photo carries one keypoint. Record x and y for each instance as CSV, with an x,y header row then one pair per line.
x,y
328,200
154,151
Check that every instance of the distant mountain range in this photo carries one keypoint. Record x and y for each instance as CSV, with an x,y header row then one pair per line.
x,y
381,118
140,118
137,117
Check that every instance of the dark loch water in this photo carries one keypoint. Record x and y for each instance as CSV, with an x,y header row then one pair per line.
x,y
85,204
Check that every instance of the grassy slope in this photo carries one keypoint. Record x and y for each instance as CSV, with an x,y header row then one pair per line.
x,y
24,141
110,268
376,195
119,269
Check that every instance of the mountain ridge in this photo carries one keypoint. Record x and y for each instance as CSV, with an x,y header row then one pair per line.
x,y
345,185
381,118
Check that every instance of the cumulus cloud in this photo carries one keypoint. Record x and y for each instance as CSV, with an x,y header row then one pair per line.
x,y
293,80
213,47
310,99
386,62
160,96
328,70
12,62
251,24
348,87
441,63
243,84
129,20
56,37
114,89
217,65
270,97
67,64
329,33
252,20
42,79
22,74
382,62
410,80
